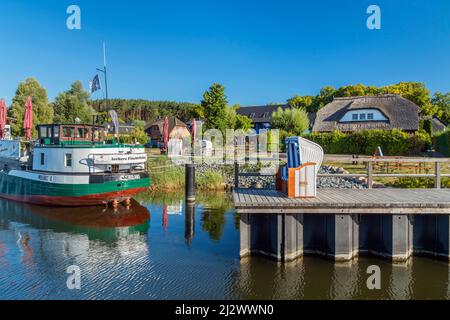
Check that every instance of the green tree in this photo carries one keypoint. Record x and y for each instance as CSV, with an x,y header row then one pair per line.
x,y
73,104
139,124
214,104
301,102
441,101
290,121
42,111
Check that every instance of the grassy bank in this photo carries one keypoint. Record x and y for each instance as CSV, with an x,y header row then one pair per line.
x,y
167,176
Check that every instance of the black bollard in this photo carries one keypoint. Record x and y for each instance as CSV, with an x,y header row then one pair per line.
x,y
190,182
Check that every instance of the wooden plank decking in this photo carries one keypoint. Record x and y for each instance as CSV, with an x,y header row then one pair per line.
x,y
346,201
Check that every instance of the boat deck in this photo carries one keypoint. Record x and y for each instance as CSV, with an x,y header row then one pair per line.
x,y
346,201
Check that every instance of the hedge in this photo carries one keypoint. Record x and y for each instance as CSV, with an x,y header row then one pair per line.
x,y
392,142
442,143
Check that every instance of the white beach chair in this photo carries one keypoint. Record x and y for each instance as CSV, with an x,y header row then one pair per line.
x,y
298,178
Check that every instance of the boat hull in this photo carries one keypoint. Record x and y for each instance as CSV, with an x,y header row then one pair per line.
x,y
70,194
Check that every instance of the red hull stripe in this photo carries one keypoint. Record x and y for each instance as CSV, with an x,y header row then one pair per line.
x,y
88,200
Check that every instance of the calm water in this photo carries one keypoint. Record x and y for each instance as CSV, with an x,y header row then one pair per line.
x,y
159,250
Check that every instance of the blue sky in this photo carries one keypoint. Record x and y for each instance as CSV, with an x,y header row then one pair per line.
x,y
262,51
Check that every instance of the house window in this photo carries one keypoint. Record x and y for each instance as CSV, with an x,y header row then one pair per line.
x,y
362,116
68,159
370,116
42,159
355,116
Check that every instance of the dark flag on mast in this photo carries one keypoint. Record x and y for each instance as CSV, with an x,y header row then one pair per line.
x,y
94,84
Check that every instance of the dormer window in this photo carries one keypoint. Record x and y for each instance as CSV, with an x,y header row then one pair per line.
x,y
363,115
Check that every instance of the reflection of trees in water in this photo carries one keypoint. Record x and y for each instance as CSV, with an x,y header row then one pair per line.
x,y
213,221
213,208
207,199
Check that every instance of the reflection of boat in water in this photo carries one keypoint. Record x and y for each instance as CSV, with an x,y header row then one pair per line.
x,y
103,223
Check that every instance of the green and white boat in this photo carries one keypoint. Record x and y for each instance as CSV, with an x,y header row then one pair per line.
x,y
72,165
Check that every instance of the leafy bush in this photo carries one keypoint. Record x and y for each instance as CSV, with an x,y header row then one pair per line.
x,y
293,121
137,136
417,183
393,142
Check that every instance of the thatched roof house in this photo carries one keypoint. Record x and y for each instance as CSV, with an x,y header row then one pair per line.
x,y
177,129
350,114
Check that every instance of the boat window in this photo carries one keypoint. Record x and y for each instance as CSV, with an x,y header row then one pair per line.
x,y
355,116
68,160
362,116
42,159
68,132
80,133
56,131
43,132
370,116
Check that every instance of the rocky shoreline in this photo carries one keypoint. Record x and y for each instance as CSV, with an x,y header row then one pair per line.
x,y
268,182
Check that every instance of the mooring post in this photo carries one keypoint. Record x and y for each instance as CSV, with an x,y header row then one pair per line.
x,y
369,174
190,182
236,175
437,175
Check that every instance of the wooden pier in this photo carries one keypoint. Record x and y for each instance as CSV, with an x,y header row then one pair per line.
x,y
342,223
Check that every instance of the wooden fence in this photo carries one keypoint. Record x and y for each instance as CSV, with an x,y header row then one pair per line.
x,y
395,162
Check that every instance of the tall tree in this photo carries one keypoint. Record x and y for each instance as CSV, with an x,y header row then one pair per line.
x,y
442,103
301,102
42,111
73,104
214,104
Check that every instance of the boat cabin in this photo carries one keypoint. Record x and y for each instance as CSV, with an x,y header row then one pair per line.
x,y
83,148
70,133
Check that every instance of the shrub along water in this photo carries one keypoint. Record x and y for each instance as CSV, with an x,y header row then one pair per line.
x,y
393,142
166,176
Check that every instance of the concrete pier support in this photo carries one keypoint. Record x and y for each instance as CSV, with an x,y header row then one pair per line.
x,y
341,224
389,236
346,233
279,236
401,237
432,235
286,236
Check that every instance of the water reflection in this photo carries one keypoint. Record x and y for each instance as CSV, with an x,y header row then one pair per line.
x,y
188,251
213,207
189,222
317,278
97,222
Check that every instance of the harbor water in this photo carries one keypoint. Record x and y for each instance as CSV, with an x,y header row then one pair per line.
x,y
159,248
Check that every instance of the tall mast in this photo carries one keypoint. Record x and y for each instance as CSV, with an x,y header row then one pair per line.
x,y
105,74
